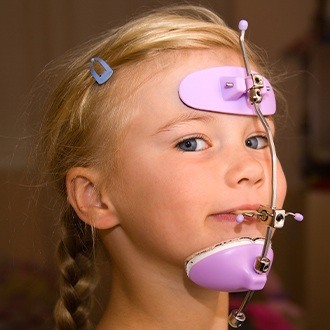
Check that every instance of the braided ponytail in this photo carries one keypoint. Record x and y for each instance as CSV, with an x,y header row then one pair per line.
x,y
76,257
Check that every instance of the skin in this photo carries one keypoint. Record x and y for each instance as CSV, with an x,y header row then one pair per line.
x,y
166,202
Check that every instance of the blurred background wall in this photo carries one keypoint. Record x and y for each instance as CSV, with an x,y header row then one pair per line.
x,y
294,34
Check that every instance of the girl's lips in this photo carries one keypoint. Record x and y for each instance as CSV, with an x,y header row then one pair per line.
x,y
224,216
231,214
230,217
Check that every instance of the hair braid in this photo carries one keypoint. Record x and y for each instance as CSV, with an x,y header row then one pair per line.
x,y
76,262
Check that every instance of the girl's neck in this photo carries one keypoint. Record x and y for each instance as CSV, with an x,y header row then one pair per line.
x,y
155,303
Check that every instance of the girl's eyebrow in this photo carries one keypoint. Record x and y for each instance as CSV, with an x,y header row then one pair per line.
x,y
185,118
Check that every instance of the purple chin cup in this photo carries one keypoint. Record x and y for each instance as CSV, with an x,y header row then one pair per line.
x,y
229,266
224,89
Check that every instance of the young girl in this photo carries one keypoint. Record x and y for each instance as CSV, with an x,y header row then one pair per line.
x,y
148,174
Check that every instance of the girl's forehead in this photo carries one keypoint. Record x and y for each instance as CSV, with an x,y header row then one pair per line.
x,y
176,64
202,79
195,59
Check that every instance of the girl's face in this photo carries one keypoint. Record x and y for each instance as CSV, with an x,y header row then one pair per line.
x,y
183,171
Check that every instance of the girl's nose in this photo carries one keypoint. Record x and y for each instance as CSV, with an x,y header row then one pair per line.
x,y
245,170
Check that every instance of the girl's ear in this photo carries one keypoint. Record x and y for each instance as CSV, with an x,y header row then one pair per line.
x,y
90,202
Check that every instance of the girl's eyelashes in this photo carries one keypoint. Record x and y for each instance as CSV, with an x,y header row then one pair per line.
x,y
257,142
199,143
195,143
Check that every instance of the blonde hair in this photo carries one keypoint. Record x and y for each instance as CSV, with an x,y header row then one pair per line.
x,y
82,117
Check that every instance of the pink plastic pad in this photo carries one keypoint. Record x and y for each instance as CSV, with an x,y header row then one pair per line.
x,y
229,266
224,89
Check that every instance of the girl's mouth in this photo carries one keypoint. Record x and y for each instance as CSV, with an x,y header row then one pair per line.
x,y
246,213
224,217
233,217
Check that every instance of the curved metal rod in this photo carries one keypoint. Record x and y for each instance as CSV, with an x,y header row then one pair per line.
x,y
237,317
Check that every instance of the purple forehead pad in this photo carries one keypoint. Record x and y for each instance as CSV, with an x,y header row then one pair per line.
x,y
224,89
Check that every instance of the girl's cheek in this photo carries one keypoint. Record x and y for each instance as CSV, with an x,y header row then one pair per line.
x,y
282,186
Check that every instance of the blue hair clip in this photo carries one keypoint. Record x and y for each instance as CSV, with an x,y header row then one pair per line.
x,y
100,78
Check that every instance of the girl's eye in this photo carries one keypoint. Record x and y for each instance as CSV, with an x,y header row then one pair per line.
x,y
192,144
257,142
